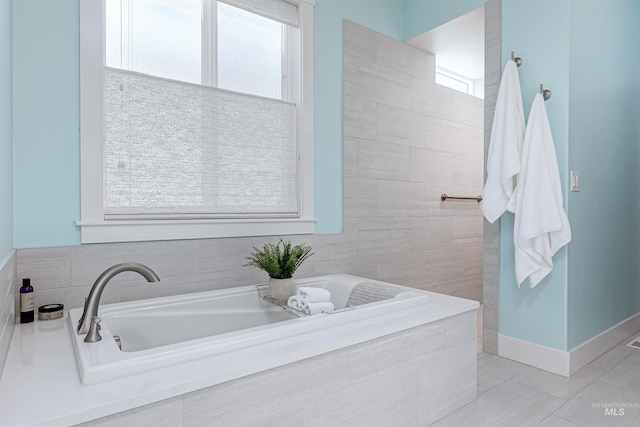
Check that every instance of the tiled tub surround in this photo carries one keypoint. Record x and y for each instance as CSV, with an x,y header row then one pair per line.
x,y
369,376
7,307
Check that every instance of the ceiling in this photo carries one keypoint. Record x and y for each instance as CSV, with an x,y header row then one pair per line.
x,y
458,44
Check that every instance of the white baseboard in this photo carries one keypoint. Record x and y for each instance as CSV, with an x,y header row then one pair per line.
x,y
566,363
586,352
538,356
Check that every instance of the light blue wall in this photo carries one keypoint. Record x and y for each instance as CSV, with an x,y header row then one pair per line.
x,y
46,113
420,16
6,156
384,16
585,53
604,95
46,122
538,32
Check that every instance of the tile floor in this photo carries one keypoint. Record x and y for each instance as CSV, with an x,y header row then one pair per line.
x,y
604,393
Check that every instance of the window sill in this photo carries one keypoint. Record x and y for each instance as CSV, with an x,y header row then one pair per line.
x,y
141,231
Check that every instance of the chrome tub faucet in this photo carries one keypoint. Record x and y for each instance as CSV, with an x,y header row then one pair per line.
x,y
93,300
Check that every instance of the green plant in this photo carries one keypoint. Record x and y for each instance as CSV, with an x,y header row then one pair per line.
x,y
281,260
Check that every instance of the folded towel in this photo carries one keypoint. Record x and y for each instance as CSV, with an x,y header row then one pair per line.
x,y
318,307
541,226
312,294
505,145
294,301
310,307
298,309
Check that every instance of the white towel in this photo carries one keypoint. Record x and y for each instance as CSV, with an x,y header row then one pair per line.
x,y
312,294
294,301
310,307
541,226
507,134
318,307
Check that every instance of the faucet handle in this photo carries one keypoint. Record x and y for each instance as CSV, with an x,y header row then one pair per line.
x,y
94,331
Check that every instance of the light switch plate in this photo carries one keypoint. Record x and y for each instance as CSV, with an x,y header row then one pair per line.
x,y
575,181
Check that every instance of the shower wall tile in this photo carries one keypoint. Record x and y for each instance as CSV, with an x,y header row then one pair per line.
x,y
382,85
400,126
400,198
332,247
432,99
350,156
465,287
380,160
360,117
402,56
359,41
432,166
467,231
350,75
447,136
434,232
468,109
491,242
411,275
360,197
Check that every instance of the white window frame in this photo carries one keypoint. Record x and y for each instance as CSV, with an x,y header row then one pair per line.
x,y
95,229
458,77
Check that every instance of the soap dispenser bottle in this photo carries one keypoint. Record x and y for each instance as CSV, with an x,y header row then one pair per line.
x,y
26,302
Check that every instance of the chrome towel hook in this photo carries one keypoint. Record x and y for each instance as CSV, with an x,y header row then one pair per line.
x,y
518,61
546,93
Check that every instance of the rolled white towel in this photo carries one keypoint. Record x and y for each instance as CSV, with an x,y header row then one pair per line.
x,y
294,301
311,294
298,307
318,307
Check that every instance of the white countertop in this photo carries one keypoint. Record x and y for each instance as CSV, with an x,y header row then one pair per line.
x,y
40,385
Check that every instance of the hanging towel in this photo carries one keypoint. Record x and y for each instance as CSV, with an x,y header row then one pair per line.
x,y
507,134
541,226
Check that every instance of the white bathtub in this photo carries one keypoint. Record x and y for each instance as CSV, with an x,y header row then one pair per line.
x,y
167,331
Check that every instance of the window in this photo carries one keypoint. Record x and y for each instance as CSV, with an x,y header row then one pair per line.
x,y
196,119
454,81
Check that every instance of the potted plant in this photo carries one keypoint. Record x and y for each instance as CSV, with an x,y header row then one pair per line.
x,y
280,261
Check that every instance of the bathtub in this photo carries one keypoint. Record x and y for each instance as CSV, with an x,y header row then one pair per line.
x,y
161,332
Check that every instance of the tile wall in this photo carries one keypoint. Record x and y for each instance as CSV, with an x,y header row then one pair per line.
x,y
7,315
491,232
406,141
410,378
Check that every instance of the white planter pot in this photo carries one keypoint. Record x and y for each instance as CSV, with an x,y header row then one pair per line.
x,y
282,289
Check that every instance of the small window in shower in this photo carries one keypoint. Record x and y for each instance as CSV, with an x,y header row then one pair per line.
x,y
454,81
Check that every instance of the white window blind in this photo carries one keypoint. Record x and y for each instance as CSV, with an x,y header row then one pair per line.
x,y
278,10
181,150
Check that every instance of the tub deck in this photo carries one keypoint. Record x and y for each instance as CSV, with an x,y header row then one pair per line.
x,y
417,374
